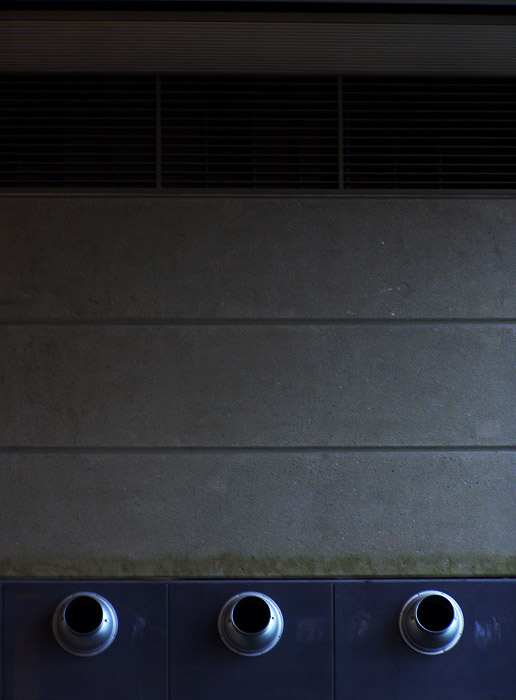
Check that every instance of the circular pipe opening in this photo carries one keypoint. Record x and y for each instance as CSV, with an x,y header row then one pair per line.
x,y
431,622
250,623
251,615
85,624
83,614
435,613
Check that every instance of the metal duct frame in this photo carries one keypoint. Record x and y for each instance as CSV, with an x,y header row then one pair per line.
x,y
258,42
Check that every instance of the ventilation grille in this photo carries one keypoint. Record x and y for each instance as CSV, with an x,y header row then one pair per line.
x,y
77,131
170,133
250,132
429,134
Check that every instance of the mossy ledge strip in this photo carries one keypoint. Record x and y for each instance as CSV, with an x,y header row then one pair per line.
x,y
227,565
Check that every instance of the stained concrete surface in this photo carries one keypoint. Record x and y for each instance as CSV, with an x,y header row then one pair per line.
x,y
435,385
145,257
257,514
133,325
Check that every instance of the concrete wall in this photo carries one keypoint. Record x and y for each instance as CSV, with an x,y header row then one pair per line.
x,y
257,386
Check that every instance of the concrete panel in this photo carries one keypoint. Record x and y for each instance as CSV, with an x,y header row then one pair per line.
x,y
258,385
131,258
258,514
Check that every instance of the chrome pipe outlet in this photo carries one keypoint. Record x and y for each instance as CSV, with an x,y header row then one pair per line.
x,y
85,624
250,624
431,622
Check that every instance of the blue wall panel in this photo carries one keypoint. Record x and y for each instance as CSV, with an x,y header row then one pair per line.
x,y
341,641
133,668
373,662
299,667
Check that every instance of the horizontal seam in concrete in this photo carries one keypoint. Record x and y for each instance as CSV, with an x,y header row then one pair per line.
x,y
170,579
264,322
228,194
253,449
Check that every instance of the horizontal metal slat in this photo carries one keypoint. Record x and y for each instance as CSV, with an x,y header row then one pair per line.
x,y
262,133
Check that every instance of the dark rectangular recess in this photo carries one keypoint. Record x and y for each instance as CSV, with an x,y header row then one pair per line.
x,y
250,132
77,131
256,133
419,133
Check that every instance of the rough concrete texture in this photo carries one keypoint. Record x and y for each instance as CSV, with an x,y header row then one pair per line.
x,y
258,514
292,385
102,371
131,258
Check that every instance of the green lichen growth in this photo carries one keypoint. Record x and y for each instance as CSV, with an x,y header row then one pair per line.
x,y
227,565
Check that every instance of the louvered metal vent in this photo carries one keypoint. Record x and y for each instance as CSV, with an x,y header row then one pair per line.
x,y
189,133
250,132
71,131
443,134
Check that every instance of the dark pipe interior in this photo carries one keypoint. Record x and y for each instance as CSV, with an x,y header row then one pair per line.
x,y
251,615
435,613
83,614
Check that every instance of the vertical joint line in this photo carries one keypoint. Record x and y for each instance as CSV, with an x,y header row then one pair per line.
x,y
158,133
340,126
167,642
334,655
